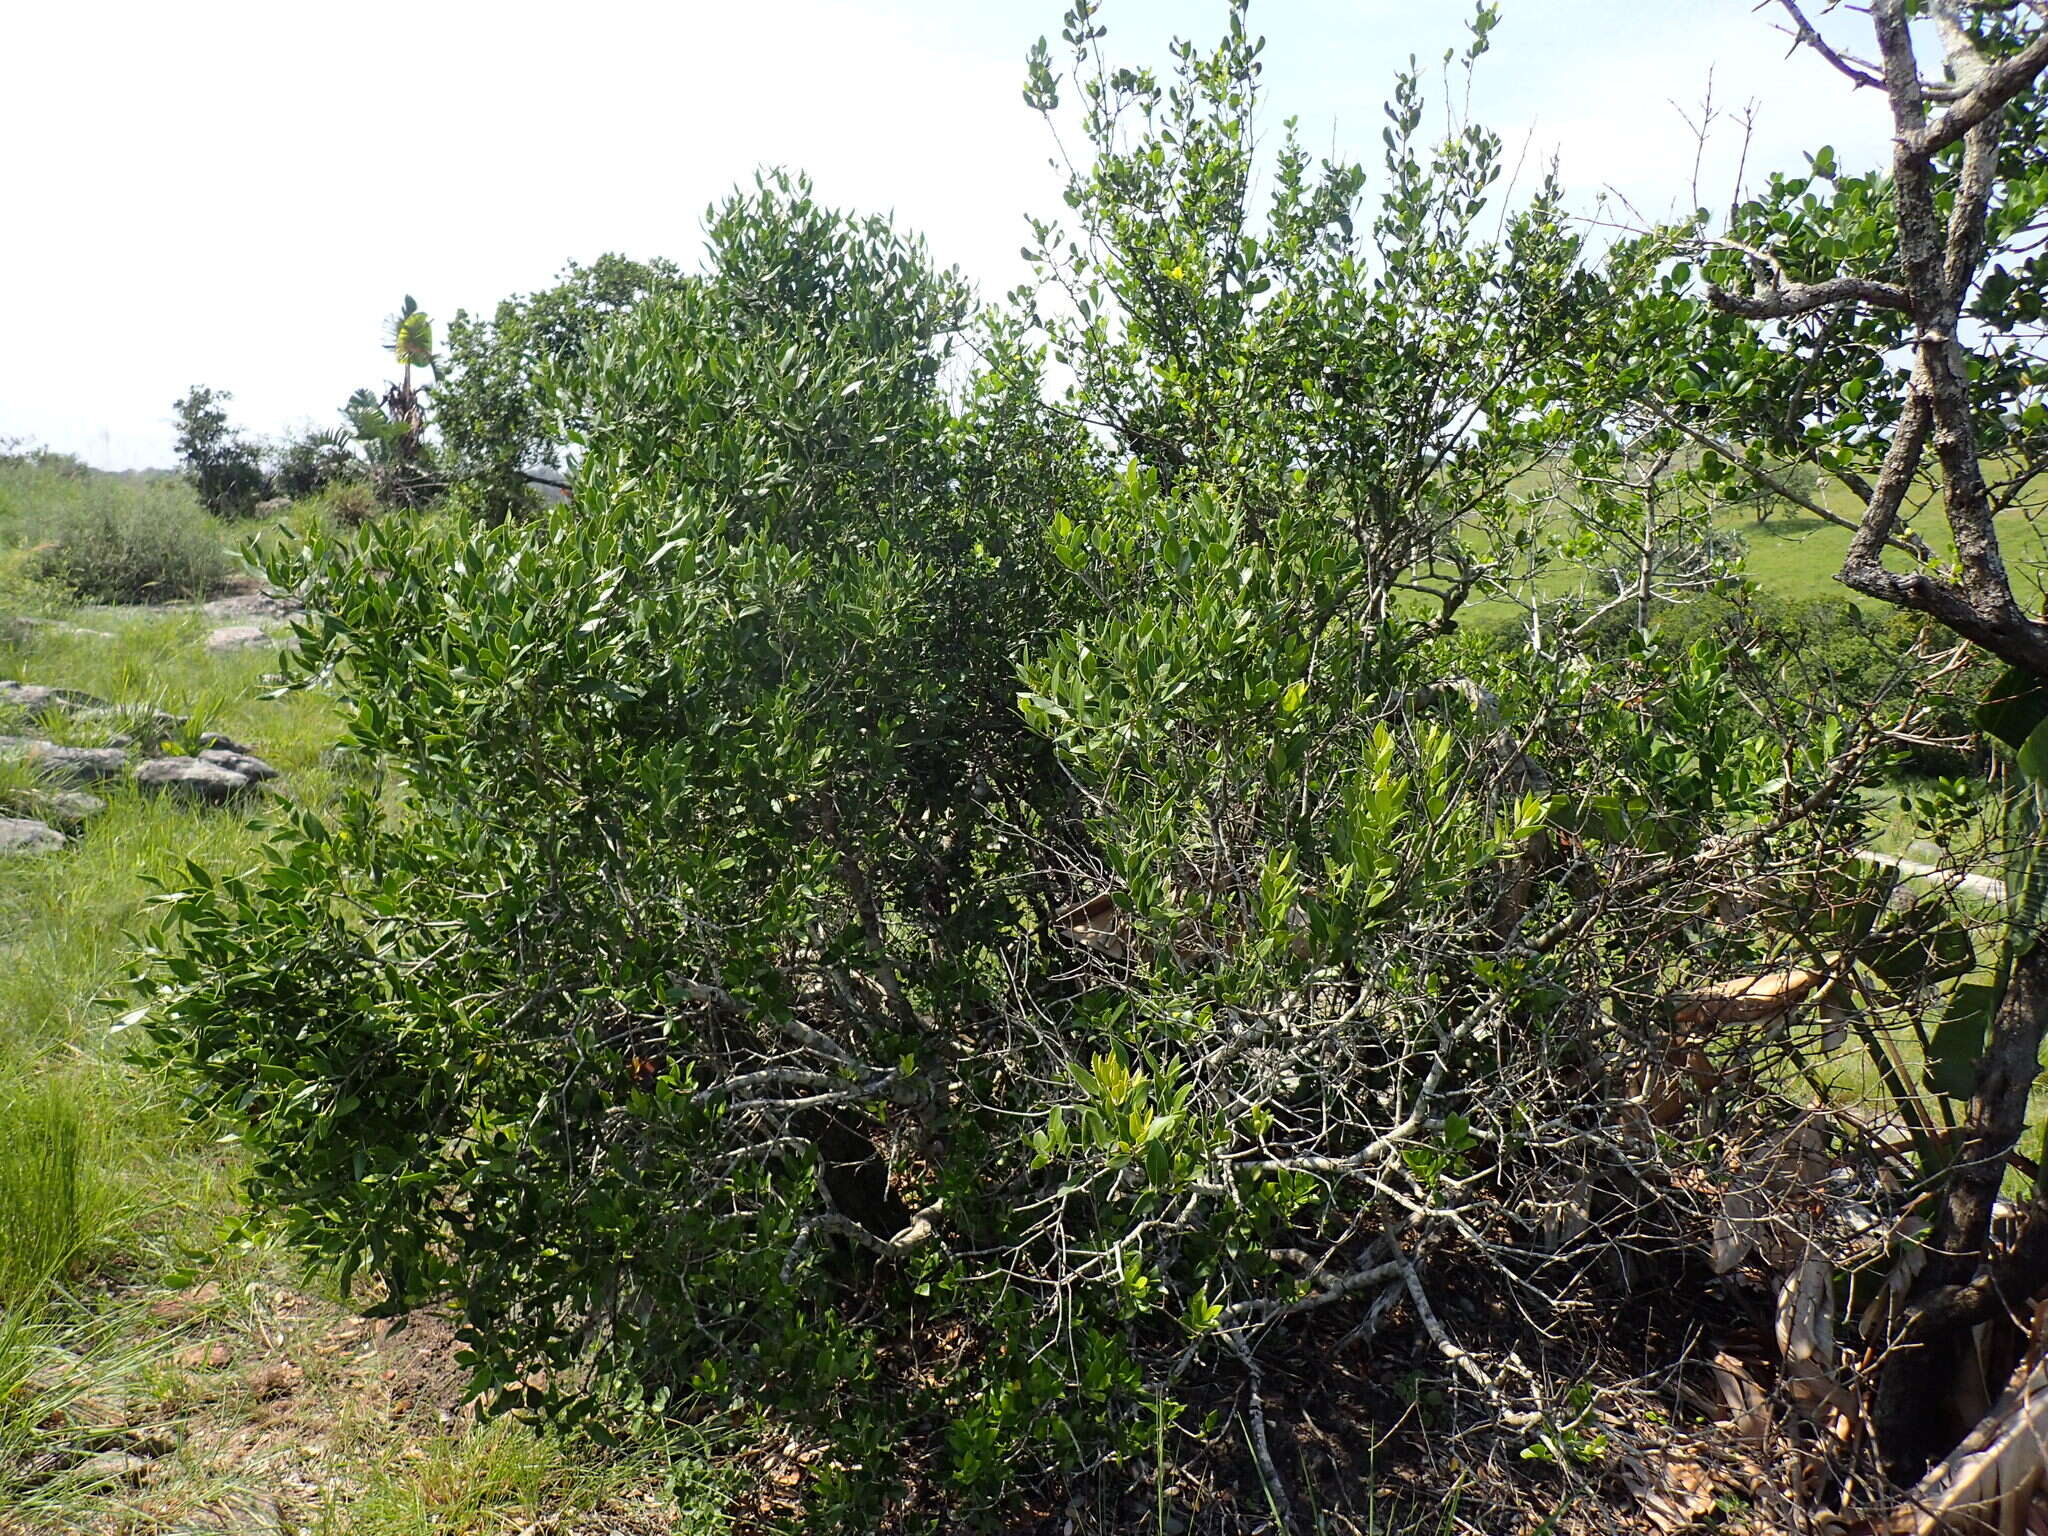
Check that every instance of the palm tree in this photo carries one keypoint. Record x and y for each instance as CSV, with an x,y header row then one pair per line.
x,y
393,429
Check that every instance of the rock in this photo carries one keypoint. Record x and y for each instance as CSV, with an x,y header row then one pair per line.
x,y
280,1378
68,807
20,835
270,506
34,700
27,698
238,637
111,1467
255,605
213,741
67,765
190,779
251,768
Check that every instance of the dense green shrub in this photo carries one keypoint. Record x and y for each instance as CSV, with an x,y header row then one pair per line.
x,y
344,504
773,648
310,462
947,913
110,540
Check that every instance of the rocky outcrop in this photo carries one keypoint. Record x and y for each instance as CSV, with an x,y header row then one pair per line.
x,y
66,765
220,772
67,808
32,701
190,778
19,835
252,768
239,637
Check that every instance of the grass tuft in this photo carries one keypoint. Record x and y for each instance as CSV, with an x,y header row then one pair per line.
x,y
54,1204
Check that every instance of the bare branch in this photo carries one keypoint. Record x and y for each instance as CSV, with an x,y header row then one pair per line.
x,y
1999,83
1911,544
1787,301
1805,32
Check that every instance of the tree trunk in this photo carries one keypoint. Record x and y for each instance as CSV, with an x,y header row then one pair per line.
x,y
1913,1416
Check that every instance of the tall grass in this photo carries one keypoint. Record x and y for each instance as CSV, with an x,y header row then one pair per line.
x,y
53,1202
68,920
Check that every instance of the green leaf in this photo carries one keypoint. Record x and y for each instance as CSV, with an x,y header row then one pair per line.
x,y
1916,953
2033,754
1959,1040
2014,706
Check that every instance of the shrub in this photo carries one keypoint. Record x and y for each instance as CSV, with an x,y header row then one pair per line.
x,y
800,619
24,596
225,468
309,463
491,398
348,504
917,915
117,541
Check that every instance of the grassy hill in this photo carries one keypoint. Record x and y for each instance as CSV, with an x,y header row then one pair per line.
x,y
1796,554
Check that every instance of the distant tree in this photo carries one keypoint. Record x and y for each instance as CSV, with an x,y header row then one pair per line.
x,y
490,402
225,468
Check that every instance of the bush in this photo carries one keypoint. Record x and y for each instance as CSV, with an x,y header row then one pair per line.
x,y
117,541
225,468
797,583
23,596
348,504
305,465
910,913
491,397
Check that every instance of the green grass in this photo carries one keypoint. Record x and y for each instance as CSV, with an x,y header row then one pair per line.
x,y
102,1183
1797,554
504,1476
113,1206
54,1203
67,921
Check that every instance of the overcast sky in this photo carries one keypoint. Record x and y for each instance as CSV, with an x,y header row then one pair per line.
x,y
237,194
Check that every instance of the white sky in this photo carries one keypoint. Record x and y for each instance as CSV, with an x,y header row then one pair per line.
x,y
237,192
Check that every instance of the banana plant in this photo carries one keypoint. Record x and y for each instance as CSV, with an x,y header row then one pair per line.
x,y
393,428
